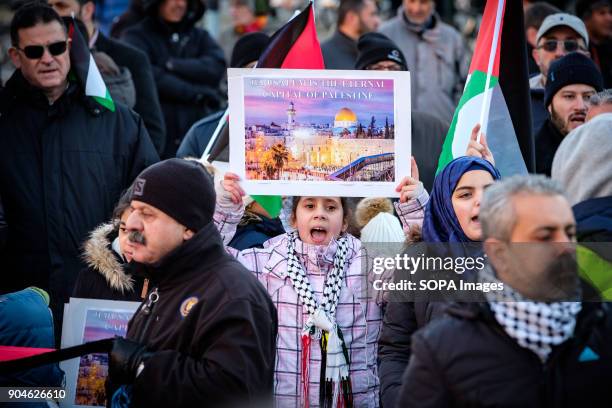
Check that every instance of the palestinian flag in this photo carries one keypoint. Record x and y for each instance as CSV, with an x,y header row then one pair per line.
x,y
295,45
496,93
86,70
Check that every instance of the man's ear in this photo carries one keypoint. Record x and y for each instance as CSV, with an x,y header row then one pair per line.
x,y
87,11
535,53
497,253
14,54
532,34
188,234
351,18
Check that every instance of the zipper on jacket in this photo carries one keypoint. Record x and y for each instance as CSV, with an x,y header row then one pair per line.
x,y
147,310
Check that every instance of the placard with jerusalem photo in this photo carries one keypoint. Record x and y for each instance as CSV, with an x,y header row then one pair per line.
x,y
88,320
319,132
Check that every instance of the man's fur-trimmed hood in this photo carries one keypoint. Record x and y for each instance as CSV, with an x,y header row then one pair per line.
x,y
100,256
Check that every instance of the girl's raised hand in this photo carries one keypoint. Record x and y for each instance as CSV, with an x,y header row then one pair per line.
x,y
479,149
229,190
410,187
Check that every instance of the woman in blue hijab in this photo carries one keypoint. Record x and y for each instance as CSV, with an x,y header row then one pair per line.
x,y
452,212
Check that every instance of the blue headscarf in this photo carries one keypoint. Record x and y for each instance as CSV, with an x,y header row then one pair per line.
x,y
441,223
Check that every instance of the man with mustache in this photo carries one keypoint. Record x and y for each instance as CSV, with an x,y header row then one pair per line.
x,y
206,333
537,342
571,82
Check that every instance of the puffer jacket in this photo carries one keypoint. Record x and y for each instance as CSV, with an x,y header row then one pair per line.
x,y
358,317
437,61
359,312
107,275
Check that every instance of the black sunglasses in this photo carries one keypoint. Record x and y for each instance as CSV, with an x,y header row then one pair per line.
x,y
37,51
568,45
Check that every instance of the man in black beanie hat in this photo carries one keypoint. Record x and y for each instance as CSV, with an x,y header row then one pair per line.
x,y
571,82
245,54
206,335
377,52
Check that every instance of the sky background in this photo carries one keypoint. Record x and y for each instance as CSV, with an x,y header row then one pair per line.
x,y
97,328
262,110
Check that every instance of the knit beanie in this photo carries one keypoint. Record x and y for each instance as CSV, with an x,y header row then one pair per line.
x,y
369,207
574,68
248,49
383,228
376,47
182,189
582,162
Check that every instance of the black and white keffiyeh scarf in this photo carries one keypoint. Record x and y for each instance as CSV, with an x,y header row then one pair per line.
x,y
537,326
335,384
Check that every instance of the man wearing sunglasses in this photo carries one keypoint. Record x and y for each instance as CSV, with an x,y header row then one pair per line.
x,y
558,35
64,159
136,61
571,82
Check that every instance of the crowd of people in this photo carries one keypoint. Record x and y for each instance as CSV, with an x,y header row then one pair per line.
x,y
241,307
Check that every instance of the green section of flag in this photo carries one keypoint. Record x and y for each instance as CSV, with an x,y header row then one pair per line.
x,y
474,87
272,204
595,270
107,102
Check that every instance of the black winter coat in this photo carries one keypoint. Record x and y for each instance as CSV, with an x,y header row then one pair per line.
x,y
107,275
197,138
213,328
547,142
147,100
188,66
428,134
466,359
401,321
62,169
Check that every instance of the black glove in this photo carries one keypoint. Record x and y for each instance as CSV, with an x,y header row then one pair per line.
x,y
125,358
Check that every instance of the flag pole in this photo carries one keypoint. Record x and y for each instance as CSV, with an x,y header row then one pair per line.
x,y
215,135
486,102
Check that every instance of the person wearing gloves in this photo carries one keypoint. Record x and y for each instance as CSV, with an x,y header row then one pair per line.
x,y
327,340
206,335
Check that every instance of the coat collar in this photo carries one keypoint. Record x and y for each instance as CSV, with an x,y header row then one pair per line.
x,y
100,256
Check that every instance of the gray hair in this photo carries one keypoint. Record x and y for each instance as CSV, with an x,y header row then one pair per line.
x,y
602,98
497,215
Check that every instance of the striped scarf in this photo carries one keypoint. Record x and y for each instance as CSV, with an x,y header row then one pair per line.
x,y
335,385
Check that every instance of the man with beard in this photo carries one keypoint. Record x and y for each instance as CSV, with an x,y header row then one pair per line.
x,y
355,18
535,342
571,82
206,335
558,35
